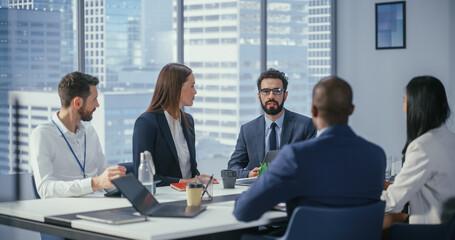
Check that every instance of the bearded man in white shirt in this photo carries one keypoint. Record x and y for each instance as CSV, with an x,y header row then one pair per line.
x,y
65,153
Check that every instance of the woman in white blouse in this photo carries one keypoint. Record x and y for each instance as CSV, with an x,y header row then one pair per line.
x,y
427,178
166,131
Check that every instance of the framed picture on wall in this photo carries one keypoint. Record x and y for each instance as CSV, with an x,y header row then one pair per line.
x,y
391,25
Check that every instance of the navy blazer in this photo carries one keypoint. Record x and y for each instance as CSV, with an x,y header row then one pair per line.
x,y
250,148
152,133
336,169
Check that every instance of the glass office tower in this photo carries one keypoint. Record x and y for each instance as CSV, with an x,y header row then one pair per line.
x,y
66,30
128,42
222,47
29,59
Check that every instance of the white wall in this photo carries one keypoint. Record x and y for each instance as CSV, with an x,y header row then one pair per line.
x,y
378,77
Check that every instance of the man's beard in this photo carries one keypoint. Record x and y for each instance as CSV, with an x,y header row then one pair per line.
x,y
273,110
85,115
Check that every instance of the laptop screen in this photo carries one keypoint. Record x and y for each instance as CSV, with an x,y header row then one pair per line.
x,y
135,192
270,156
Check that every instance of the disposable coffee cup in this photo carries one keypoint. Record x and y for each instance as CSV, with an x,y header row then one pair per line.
x,y
193,194
229,177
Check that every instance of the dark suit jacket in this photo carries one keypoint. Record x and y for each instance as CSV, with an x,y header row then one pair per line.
x,y
250,148
152,133
336,169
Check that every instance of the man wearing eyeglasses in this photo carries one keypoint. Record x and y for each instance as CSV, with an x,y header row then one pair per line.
x,y
271,131
314,172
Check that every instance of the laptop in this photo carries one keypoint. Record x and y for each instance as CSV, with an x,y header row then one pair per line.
x,y
268,158
146,204
113,216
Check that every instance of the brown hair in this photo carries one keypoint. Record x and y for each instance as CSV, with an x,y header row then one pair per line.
x,y
168,88
75,84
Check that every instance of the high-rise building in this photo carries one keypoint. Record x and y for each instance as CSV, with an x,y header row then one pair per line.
x,y
29,59
29,47
66,46
222,47
158,35
114,122
128,42
30,113
319,47
112,40
212,50
35,39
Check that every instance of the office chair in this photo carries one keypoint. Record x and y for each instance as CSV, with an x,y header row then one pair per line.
x,y
323,223
44,236
404,231
35,191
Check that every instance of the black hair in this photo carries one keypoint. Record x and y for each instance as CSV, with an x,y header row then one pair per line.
x,y
273,73
427,107
75,84
332,96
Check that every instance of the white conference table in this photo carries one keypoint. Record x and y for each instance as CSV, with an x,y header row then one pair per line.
x,y
218,217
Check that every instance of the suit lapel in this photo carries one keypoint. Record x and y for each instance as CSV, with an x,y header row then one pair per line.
x,y
166,131
259,139
288,125
190,142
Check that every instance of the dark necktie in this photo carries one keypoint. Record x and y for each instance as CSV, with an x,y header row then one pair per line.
x,y
272,137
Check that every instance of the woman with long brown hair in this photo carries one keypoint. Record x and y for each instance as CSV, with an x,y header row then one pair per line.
x,y
165,130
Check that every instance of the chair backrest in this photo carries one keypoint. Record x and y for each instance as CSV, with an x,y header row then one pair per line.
x,y
9,187
404,231
350,223
35,191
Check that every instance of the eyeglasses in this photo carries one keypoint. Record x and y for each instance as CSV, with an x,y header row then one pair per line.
x,y
266,91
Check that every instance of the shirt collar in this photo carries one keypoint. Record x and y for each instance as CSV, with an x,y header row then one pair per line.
x,y
319,132
80,126
279,121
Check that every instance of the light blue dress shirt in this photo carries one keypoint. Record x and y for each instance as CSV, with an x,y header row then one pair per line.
x,y
268,130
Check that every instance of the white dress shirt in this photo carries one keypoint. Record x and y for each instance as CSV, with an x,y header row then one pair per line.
x,y
319,132
427,178
56,170
181,146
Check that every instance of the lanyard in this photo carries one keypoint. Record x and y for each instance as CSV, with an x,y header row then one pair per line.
x,y
85,149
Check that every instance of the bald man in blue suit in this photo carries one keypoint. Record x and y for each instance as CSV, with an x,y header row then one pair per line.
x,y
335,169
255,136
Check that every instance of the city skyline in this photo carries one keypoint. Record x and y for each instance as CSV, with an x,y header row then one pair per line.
x,y
125,48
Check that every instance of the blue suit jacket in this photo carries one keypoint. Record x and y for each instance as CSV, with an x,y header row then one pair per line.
x,y
336,169
250,148
152,133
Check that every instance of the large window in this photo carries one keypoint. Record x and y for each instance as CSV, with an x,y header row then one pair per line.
x,y
125,47
37,47
126,43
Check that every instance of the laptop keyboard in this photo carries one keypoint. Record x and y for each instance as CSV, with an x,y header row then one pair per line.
x,y
167,210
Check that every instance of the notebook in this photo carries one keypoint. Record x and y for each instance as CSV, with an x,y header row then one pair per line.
x,y
269,157
112,216
146,204
181,187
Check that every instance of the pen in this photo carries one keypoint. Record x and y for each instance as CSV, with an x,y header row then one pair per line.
x,y
206,187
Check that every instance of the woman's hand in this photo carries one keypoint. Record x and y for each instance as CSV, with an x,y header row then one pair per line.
x,y
387,184
390,218
202,176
